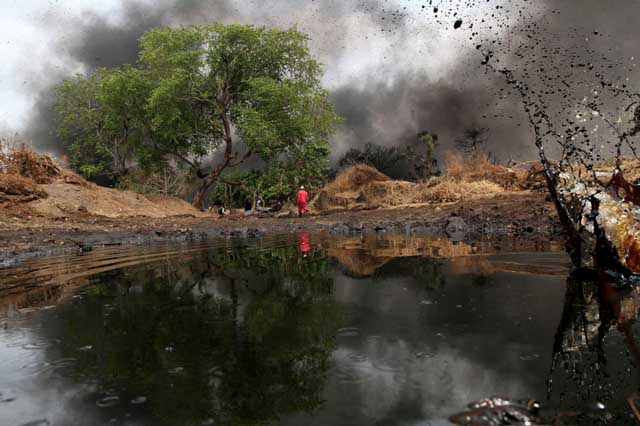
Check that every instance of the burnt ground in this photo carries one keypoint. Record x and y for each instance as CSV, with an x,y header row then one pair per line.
x,y
526,214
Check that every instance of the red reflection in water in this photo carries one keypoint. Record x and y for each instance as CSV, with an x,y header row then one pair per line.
x,y
303,239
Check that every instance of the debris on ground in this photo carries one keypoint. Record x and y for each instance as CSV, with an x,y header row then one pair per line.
x,y
15,188
25,162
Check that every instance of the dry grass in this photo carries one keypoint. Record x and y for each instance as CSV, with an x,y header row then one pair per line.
x,y
465,177
451,190
479,167
24,161
355,178
18,188
395,193
630,169
467,168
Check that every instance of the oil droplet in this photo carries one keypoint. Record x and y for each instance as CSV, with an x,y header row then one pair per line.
x,y
108,401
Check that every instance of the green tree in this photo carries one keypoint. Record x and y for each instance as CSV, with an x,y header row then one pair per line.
x,y
240,91
421,156
206,98
100,119
430,163
278,182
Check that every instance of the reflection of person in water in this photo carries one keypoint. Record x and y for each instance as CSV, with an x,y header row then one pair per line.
x,y
303,239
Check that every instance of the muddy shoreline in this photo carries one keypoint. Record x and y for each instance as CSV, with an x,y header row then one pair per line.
x,y
525,216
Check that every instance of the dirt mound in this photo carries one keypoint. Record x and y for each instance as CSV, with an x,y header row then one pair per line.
x,y
173,206
15,188
34,183
65,198
70,177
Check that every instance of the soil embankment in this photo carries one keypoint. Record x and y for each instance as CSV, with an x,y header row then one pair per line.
x,y
47,209
524,214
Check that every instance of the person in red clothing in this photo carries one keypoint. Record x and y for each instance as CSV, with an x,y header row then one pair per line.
x,y
303,199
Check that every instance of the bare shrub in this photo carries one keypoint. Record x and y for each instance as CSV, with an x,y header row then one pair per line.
x,y
24,161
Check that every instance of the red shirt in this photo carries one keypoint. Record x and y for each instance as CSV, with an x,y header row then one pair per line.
x,y
303,197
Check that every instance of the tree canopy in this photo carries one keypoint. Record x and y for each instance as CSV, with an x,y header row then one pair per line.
x,y
205,99
99,118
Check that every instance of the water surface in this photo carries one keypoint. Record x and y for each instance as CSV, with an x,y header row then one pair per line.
x,y
308,330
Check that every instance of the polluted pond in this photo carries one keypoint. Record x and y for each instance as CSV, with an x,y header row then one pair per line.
x,y
312,329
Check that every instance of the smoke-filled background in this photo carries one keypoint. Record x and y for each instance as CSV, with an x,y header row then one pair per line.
x,y
394,67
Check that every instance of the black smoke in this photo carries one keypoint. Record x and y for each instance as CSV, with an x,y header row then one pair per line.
x,y
94,40
393,114
379,108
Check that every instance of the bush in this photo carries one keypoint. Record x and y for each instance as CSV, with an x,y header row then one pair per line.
x,y
166,181
382,158
275,185
234,190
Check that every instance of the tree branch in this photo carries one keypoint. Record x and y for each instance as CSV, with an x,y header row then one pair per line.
x,y
181,157
240,160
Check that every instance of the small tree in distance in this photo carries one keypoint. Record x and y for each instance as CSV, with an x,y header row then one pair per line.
x,y
424,161
474,140
414,161
383,158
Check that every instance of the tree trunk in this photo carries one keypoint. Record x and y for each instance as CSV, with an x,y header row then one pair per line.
x,y
198,199
230,160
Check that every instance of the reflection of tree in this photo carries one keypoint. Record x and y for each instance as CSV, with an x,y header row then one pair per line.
x,y
156,331
583,370
482,280
427,271
281,266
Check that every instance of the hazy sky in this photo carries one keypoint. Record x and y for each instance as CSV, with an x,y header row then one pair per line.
x,y
394,67
36,35
32,37
360,42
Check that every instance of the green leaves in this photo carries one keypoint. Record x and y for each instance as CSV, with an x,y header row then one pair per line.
x,y
201,88
94,122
